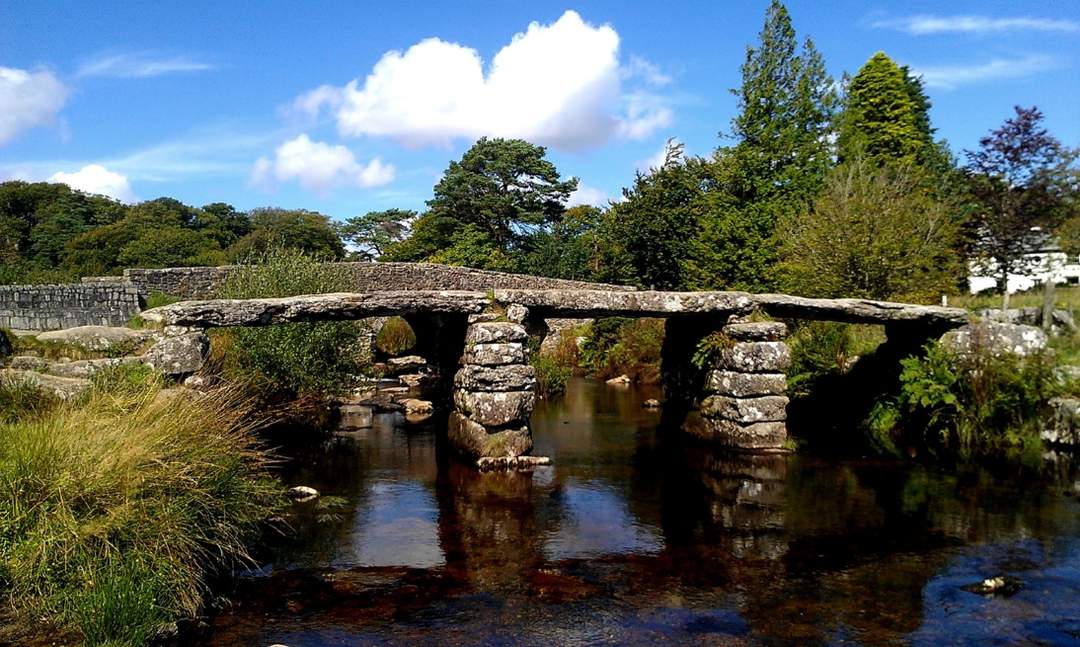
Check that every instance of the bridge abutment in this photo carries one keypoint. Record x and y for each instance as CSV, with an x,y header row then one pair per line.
x,y
494,391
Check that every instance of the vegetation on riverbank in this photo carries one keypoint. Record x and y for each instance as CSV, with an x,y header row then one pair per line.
x,y
117,510
290,362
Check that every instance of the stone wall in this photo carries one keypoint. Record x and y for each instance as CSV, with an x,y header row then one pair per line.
x,y
201,282
50,307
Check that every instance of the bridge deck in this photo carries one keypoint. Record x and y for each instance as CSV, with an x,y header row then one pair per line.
x,y
546,303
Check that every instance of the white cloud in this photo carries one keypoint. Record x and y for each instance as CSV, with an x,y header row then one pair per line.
x,y
557,84
319,166
585,194
638,67
28,99
925,24
94,178
140,65
948,77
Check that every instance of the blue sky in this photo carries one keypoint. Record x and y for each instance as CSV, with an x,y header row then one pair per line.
x,y
349,107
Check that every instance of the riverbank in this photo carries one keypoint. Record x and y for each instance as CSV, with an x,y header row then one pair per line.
x,y
119,506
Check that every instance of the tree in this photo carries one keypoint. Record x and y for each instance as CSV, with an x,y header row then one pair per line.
x,y
1021,186
875,232
657,219
505,188
574,248
786,107
375,232
884,114
298,229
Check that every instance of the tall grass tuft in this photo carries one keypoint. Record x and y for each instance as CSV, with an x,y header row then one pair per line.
x,y
115,511
23,399
291,361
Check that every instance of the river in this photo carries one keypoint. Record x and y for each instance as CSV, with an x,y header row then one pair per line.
x,y
634,536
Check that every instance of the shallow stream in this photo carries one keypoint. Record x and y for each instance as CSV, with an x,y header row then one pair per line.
x,y
634,536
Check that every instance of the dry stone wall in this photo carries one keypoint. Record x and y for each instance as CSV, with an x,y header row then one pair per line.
x,y
202,282
51,307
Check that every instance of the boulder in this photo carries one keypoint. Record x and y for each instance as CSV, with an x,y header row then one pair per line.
x,y
180,355
769,408
302,493
415,407
494,332
756,331
621,380
511,377
473,439
1063,424
755,357
496,408
355,416
84,368
28,363
494,354
517,313
651,403
404,365
1060,320
559,329
99,338
742,385
65,388
996,337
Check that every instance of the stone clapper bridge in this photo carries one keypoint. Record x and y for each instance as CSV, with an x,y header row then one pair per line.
x,y
737,400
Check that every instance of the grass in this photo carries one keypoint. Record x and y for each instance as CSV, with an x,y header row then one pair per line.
x,y
155,299
1065,298
115,511
23,399
395,338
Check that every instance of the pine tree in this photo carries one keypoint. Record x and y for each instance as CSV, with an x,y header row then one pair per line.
x,y
786,107
885,115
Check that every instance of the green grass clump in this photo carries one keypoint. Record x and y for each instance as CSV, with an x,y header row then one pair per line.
x,y
395,338
291,361
23,399
116,511
155,299
551,375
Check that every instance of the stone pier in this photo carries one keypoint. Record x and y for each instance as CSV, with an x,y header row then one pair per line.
x,y
743,403
493,391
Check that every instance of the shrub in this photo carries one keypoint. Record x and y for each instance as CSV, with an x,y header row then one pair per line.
x,y
973,402
630,347
551,376
821,349
289,361
395,337
116,511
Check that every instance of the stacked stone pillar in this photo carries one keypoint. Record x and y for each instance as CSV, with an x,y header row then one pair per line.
x,y
743,404
493,392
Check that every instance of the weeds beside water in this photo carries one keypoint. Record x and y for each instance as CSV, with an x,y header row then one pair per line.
x,y
116,510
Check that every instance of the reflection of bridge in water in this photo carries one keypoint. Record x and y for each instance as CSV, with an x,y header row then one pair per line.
x,y
634,535
736,400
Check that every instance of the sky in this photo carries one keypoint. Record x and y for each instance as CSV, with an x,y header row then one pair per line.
x,y
350,107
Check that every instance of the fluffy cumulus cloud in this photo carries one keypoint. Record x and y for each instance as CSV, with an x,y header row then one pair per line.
x,y
589,195
94,178
319,166
559,84
28,99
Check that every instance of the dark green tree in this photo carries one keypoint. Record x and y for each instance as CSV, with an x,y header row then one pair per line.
x,y
506,188
375,232
786,107
297,229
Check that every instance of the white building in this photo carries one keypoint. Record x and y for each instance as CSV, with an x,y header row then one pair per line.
x,y
1046,261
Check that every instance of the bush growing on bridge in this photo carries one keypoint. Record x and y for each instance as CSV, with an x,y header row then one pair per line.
x,y
115,511
290,361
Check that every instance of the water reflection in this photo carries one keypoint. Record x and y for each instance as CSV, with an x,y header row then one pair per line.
x,y
635,537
